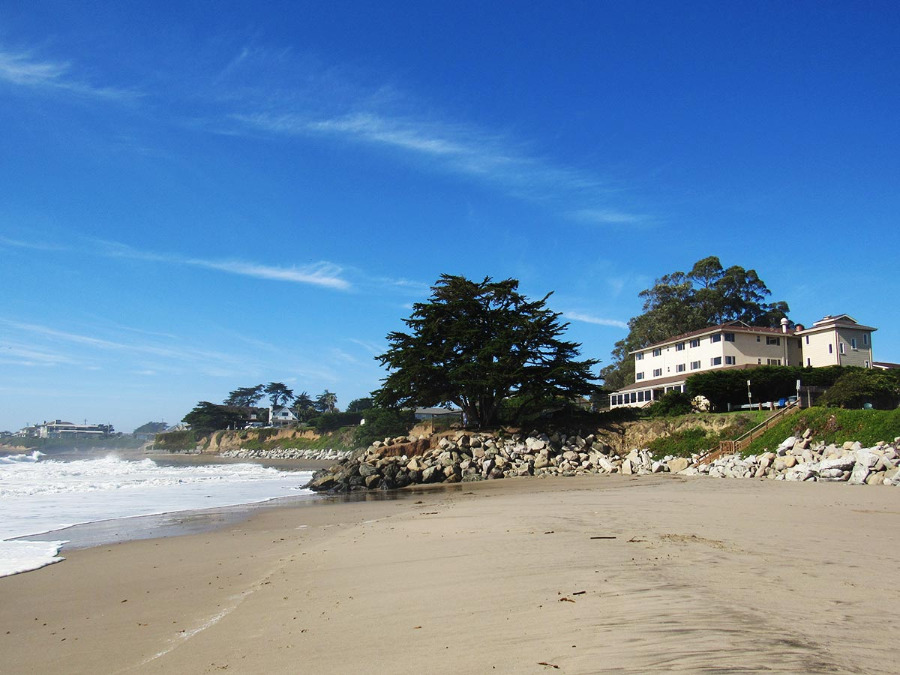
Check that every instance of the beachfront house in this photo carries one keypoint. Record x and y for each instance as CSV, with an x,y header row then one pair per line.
x,y
665,366
282,417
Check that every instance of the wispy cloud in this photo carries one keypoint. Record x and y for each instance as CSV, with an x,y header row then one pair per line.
x,y
187,354
24,70
610,217
36,245
282,93
13,353
453,147
596,320
370,347
325,274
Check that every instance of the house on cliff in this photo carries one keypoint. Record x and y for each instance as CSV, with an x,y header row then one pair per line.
x,y
665,366
282,417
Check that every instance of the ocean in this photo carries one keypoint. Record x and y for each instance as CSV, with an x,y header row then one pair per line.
x,y
41,494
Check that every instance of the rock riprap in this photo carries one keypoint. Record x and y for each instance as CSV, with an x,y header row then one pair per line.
x,y
464,456
288,453
799,459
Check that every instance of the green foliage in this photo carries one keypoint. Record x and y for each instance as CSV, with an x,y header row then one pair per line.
x,y
550,412
832,425
698,440
335,420
685,442
681,302
206,417
478,344
859,386
278,394
360,404
326,402
767,383
173,441
383,423
304,407
245,397
151,428
671,405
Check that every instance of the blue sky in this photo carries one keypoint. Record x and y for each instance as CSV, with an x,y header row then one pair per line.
x,y
205,195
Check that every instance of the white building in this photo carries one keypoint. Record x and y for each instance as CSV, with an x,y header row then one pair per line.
x,y
280,417
61,429
665,366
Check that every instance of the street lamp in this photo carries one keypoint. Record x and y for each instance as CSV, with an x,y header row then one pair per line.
x,y
749,396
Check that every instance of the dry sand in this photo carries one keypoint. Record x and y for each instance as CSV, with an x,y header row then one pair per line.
x,y
581,575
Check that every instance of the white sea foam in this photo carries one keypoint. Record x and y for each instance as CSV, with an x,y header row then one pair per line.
x,y
39,495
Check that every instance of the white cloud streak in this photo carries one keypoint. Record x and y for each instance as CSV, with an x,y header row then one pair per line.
x,y
325,274
609,217
598,321
450,147
23,70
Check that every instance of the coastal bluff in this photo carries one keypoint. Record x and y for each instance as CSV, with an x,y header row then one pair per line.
x,y
463,456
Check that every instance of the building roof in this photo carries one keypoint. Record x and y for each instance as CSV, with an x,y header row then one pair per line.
x,y
829,322
731,327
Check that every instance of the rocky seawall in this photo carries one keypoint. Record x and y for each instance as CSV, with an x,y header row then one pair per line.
x,y
288,453
399,462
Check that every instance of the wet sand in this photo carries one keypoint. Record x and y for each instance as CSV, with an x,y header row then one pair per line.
x,y
579,575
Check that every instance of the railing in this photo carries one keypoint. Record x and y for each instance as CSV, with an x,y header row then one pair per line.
x,y
742,441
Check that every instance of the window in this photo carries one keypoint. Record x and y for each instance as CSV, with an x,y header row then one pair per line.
x,y
867,364
633,397
809,362
853,344
657,352
715,338
830,350
657,372
773,362
695,365
679,347
640,397
730,361
865,338
695,343
729,337
639,356
807,339
773,340
842,347
680,368
639,376
715,361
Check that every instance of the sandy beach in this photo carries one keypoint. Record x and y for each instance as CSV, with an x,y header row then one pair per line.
x,y
571,575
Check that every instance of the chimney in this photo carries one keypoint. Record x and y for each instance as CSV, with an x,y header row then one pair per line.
x,y
784,325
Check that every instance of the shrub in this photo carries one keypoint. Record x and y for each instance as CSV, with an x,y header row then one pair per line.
x,y
671,405
185,439
381,423
336,420
857,387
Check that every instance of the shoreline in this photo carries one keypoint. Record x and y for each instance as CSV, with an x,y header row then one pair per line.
x,y
608,573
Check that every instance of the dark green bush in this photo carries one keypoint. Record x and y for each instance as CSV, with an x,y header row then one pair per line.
x,y
336,420
383,423
671,405
859,386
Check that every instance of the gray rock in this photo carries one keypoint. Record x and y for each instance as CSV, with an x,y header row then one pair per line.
x,y
678,464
